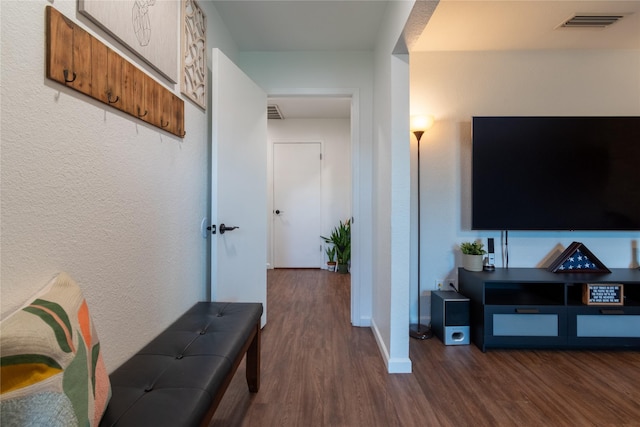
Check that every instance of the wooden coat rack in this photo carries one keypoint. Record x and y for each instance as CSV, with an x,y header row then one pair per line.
x,y
80,61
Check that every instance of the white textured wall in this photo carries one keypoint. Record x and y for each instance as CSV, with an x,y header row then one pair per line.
x,y
91,191
335,137
391,200
454,86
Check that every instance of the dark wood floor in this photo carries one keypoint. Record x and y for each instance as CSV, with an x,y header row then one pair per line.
x,y
318,370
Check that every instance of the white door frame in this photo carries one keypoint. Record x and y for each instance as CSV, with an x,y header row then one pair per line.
x,y
356,231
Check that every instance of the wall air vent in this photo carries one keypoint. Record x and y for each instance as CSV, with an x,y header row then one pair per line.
x,y
273,112
600,20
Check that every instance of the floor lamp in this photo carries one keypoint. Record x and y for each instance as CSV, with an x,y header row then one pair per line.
x,y
418,125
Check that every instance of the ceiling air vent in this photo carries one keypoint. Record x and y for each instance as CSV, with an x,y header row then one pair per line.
x,y
273,112
591,21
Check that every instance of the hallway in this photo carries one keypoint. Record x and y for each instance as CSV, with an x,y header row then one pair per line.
x,y
318,370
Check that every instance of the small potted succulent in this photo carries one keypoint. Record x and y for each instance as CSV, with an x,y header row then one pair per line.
x,y
331,256
472,255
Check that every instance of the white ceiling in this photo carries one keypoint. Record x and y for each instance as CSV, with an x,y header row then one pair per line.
x,y
290,25
527,25
477,25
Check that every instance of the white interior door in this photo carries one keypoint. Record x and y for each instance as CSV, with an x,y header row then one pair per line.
x,y
297,206
239,190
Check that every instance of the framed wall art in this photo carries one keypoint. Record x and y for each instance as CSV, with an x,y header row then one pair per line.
x,y
149,28
194,53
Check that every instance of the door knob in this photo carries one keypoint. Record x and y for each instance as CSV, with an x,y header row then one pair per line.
x,y
224,228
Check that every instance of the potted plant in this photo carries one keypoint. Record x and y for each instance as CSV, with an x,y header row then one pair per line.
x,y
340,237
331,255
472,255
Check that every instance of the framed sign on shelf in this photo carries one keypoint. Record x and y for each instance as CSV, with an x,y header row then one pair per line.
x,y
194,53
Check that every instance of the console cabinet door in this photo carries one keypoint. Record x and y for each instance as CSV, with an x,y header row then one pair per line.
x,y
604,326
525,326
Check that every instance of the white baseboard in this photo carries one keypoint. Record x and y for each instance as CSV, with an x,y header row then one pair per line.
x,y
394,365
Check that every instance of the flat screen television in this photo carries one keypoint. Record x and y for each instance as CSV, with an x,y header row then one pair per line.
x,y
556,173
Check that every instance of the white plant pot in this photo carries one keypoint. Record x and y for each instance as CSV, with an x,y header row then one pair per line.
x,y
472,262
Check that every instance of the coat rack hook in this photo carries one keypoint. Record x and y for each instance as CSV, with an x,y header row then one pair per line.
x,y
163,125
66,76
112,101
143,114
183,134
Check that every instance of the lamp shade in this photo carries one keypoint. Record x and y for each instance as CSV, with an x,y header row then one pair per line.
x,y
421,123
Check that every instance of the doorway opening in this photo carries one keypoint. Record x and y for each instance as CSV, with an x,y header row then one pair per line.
x,y
305,122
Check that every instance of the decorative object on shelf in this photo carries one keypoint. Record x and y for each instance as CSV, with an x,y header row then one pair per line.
x,y
490,265
419,124
472,255
148,28
577,259
340,238
331,256
81,62
194,53
603,294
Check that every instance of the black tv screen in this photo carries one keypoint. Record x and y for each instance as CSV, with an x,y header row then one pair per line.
x,y
556,173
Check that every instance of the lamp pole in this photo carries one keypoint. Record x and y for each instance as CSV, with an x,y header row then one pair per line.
x,y
417,330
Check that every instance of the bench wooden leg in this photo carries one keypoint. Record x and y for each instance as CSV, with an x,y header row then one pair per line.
x,y
253,362
252,352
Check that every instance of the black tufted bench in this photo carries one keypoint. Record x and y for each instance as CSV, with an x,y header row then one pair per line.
x,y
179,378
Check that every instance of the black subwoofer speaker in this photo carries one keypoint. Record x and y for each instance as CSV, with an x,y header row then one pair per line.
x,y
450,317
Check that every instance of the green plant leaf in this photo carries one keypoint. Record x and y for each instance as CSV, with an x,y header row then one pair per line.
x,y
340,238
54,316
472,248
23,359
75,383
